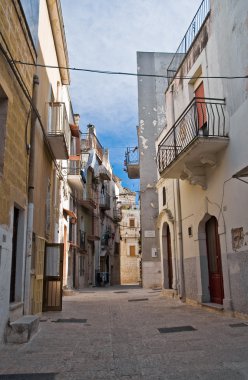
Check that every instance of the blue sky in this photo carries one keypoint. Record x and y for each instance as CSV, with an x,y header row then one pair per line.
x,y
105,35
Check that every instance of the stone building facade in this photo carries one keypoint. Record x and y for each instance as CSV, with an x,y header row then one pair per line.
x,y
16,87
130,249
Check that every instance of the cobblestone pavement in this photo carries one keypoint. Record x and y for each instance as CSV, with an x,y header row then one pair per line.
x,y
112,333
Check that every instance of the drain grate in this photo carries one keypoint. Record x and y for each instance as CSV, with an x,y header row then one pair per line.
x,y
70,320
138,299
121,291
165,330
29,376
238,325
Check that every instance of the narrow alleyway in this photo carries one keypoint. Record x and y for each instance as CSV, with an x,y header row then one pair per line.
x,y
112,333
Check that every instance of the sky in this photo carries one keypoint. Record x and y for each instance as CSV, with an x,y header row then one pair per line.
x,y
105,35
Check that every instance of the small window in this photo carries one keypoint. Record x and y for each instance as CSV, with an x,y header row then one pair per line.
x,y
131,222
164,196
132,250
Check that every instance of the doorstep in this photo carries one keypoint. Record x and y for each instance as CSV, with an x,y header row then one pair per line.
x,y
21,330
211,306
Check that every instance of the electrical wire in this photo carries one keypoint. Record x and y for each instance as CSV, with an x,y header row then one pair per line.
x,y
108,72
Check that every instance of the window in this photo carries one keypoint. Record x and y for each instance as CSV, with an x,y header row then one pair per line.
x,y
132,250
131,222
164,196
3,119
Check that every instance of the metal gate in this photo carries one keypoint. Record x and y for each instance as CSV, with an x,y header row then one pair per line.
x,y
53,277
37,284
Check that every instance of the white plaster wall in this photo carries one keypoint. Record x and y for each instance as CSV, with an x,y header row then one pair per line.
x,y
47,45
226,53
151,274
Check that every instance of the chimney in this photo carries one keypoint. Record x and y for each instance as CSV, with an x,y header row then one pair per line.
x,y
76,118
92,129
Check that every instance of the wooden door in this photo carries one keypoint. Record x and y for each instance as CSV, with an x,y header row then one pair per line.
x,y
53,277
201,106
37,296
169,255
214,262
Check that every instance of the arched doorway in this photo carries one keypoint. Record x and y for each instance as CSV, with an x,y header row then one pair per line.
x,y
167,257
216,288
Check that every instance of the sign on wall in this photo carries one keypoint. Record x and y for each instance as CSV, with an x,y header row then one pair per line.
x,y
149,234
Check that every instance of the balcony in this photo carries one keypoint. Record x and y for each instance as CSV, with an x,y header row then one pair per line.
x,y
95,235
104,173
104,202
88,200
74,174
82,240
89,141
188,39
194,141
117,215
132,163
58,133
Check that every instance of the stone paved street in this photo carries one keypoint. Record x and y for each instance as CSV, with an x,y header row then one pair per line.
x,y
120,340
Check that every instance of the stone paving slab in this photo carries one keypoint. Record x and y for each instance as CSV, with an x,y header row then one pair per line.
x,y
120,340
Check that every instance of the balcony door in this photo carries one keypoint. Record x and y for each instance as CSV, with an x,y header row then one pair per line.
x,y
214,261
201,106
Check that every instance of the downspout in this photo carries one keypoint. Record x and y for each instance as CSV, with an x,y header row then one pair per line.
x,y
180,242
178,224
30,216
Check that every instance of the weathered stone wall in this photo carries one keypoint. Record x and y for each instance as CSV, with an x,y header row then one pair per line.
x,y
129,270
14,39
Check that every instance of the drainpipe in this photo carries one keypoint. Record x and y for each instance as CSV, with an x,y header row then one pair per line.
x,y
178,224
30,216
180,241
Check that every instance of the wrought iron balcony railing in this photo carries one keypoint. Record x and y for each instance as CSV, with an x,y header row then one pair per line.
x,y
117,215
90,141
132,162
104,201
74,167
203,118
89,199
132,156
58,129
188,39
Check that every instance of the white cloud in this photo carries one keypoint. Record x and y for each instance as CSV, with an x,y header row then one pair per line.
x,y
105,35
